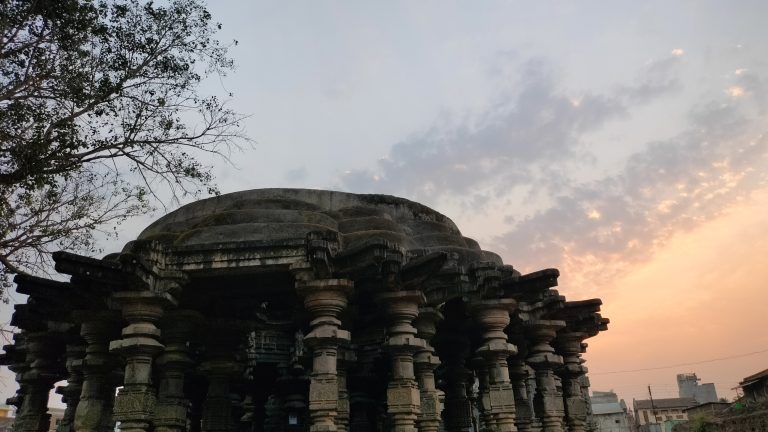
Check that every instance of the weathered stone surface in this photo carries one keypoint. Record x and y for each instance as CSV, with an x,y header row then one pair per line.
x,y
277,215
294,310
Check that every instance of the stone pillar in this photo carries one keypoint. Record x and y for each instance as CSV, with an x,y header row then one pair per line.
x,y
363,386
535,421
403,398
324,300
274,414
493,318
238,409
98,329
426,361
220,367
70,394
483,398
135,404
519,378
453,348
295,389
547,402
174,363
345,359
17,354
196,389
585,384
569,345
217,413
43,351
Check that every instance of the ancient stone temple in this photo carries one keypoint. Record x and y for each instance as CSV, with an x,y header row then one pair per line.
x,y
287,310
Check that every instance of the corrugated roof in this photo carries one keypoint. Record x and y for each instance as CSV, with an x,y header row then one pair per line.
x,y
748,380
665,403
715,404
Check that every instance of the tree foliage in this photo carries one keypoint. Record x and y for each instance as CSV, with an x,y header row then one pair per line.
x,y
100,111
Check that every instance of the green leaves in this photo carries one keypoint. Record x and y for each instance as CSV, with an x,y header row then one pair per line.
x,y
94,90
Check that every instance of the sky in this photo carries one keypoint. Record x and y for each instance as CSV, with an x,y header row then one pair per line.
x,y
622,142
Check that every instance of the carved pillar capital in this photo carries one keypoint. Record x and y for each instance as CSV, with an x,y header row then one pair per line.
x,y
43,351
492,316
569,344
324,299
403,397
547,402
135,404
541,333
98,329
70,393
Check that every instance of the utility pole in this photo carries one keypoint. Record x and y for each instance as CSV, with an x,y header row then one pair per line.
x,y
653,408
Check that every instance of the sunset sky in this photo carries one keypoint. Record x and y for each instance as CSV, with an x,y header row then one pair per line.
x,y
623,142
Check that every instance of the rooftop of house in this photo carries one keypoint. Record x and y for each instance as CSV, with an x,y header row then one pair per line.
x,y
665,403
715,405
753,378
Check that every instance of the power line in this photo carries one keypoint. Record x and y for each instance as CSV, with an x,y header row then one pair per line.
x,y
680,364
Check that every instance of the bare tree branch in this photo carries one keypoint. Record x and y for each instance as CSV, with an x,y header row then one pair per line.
x,y
100,116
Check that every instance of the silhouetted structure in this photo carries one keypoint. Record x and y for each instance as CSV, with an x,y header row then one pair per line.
x,y
294,310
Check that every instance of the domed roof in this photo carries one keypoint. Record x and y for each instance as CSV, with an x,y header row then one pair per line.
x,y
276,215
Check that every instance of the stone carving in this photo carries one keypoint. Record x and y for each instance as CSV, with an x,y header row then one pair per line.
x,y
290,310
134,404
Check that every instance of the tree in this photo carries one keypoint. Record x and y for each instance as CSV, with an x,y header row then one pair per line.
x,y
100,114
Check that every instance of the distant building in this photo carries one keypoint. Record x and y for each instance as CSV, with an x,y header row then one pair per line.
x,y
6,417
56,415
7,411
661,414
608,413
688,387
603,397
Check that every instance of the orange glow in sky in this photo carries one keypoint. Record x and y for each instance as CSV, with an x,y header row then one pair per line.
x,y
701,297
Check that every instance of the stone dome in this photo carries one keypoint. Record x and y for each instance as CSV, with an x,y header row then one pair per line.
x,y
280,215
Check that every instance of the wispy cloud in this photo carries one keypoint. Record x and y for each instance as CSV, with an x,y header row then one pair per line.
x,y
657,78
536,124
596,230
520,139
533,138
